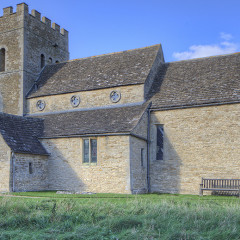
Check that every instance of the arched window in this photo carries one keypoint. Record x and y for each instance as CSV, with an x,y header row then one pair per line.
x,y
57,61
2,60
42,60
50,61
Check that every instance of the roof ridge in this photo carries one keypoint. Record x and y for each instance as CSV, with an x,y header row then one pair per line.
x,y
202,58
107,54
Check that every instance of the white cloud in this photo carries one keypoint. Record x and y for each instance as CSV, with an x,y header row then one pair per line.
x,y
226,36
198,51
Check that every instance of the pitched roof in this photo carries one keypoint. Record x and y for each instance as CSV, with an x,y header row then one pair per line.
x,y
96,121
21,133
197,81
104,71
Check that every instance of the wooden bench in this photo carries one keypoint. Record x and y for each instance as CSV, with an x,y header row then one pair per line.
x,y
231,185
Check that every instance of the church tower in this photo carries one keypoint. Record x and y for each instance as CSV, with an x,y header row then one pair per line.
x,y
27,43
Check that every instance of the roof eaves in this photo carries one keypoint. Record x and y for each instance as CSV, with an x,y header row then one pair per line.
x,y
87,135
207,104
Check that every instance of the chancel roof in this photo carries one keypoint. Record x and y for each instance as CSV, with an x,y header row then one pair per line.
x,y
197,82
104,71
21,133
95,121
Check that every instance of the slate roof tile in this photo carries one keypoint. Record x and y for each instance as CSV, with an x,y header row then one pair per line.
x,y
21,133
197,81
98,121
104,71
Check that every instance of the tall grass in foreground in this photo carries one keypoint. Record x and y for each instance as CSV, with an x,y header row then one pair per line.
x,y
134,218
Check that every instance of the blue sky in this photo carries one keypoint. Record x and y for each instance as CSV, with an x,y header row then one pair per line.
x,y
186,29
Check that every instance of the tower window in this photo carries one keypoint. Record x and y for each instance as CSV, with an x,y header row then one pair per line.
x,y
2,60
50,61
42,60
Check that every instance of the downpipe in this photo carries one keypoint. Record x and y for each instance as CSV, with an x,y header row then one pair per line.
x,y
148,152
13,172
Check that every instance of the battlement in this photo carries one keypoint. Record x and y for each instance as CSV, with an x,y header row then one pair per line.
x,y
22,8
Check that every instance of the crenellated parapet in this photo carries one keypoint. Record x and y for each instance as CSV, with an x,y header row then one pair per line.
x,y
7,11
22,8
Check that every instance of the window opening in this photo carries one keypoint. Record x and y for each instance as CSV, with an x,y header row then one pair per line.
x,y
50,61
2,60
42,60
160,135
93,150
142,156
90,151
30,168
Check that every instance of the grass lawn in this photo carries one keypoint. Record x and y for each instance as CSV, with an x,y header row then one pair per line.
x,y
118,216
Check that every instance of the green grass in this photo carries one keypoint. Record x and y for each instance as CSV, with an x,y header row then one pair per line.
x,y
118,216
52,194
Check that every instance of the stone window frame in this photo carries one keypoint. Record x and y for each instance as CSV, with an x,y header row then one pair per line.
x,y
90,159
111,96
40,105
159,142
75,97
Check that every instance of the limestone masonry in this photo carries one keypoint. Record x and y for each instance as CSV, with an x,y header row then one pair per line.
x,y
125,122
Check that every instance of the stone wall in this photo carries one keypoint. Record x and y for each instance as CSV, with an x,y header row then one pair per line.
x,y
66,170
41,37
5,166
141,129
138,170
154,72
89,99
24,179
198,142
11,38
25,37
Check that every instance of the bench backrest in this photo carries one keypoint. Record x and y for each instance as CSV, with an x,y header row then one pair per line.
x,y
221,183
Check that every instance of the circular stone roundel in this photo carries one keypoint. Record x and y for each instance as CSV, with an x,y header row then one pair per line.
x,y
40,105
75,100
115,96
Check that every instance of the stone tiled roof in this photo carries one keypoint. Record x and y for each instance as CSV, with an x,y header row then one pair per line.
x,y
197,82
98,121
21,133
104,71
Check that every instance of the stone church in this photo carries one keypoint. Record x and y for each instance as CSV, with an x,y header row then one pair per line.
x,y
126,122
